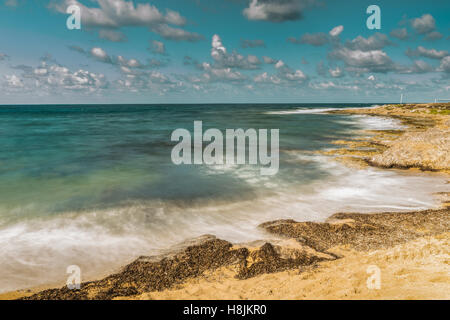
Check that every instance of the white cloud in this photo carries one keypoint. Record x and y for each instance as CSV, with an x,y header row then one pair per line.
x,y
213,74
315,39
100,54
11,3
336,31
375,42
223,59
424,24
401,34
176,34
124,64
217,47
284,75
266,78
111,35
332,85
158,47
115,14
54,78
269,60
336,73
279,64
428,53
14,81
276,10
445,65
419,66
433,35
364,61
252,43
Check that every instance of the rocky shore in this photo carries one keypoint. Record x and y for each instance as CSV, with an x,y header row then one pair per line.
x,y
312,260
424,144
300,246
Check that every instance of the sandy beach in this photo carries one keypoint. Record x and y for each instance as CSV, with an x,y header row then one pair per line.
x,y
334,259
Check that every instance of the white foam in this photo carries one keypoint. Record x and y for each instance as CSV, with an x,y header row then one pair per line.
x,y
377,123
303,111
313,110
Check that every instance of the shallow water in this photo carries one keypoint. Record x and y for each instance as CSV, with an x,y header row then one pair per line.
x,y
94,186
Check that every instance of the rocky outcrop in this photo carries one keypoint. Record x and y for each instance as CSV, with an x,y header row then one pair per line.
x,y
300,244
425,144
427,150
190,260
363,231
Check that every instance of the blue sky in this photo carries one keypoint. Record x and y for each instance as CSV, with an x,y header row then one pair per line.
x,y
214,51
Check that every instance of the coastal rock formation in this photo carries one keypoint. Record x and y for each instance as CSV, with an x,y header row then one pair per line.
x,y
425,144
428,150
363,231
189,260
301,244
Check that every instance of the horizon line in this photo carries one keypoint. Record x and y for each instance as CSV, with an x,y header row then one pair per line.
x,y
193,103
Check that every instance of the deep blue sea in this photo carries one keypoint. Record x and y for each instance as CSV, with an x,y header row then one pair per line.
x,y
94,185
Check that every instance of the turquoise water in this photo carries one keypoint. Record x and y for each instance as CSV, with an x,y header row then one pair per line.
x,y
58,158
95,185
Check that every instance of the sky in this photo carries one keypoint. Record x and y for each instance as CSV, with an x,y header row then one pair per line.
x,y
223,51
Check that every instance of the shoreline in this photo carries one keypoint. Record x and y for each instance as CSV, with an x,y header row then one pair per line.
x,y
302,247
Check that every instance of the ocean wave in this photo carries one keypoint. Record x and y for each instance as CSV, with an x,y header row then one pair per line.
x,y
314,110
377,123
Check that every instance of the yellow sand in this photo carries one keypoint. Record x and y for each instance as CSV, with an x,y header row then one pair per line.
x,y
414,270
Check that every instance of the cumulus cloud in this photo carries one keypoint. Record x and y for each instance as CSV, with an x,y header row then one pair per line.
x,y
111,35
100,54
269,60
419,66
359,61
176,34
318,39
284,75
266,78
321,69
115,14
445,64
13,81
129,66
376,42
336,31
158,47
434,35
336,73
315,39
428,53
276,10
252,43
223,59
228,74
332,85
11,3
225,66
401,33
55,78
424,24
